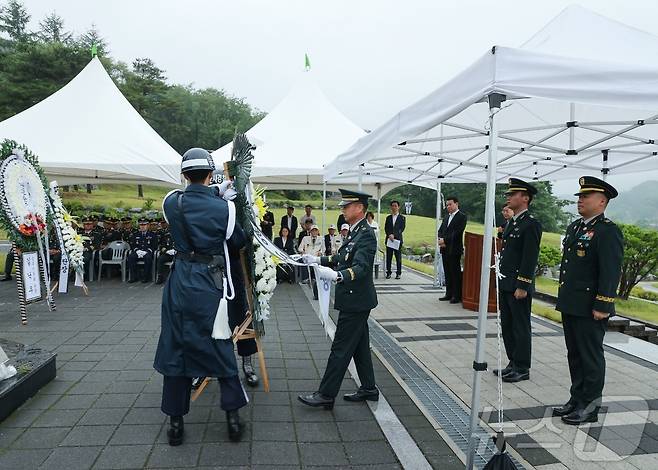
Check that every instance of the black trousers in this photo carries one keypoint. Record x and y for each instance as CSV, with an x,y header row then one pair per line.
x,y
162,268
453,272
352,340
517,332
132,264
584,339
88,259
398,260
176,395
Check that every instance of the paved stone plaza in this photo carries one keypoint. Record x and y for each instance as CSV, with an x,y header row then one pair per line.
x,y
442,338
102,410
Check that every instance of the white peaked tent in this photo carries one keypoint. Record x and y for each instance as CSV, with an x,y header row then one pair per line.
x,y
88,132
580,97
294,141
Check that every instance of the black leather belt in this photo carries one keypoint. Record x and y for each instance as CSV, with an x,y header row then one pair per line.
x,y
195,257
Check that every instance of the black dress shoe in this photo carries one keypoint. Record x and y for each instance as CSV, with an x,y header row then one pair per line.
x,y
159,280
176,430
388,276
516,376
6,278
397,276
234,426
144,281
565,409
454,301
363,394
582,415
316,399
503,372
444,298
131,281
249,373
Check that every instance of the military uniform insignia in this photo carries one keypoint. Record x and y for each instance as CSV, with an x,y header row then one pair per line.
x,y
580,253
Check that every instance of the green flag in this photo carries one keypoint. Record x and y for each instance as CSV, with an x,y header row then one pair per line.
x,y
307,62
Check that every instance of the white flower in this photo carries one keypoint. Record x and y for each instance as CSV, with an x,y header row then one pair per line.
x,y
261,285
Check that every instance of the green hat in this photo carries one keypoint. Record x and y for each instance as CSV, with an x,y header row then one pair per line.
x,y
591,184
348,197
515,184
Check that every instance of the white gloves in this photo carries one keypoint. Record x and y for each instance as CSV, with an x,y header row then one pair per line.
x,y
171,252
229,194
140,253
223,186
326,273
310,259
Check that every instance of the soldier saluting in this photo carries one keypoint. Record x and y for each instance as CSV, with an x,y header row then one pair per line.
x,y
200,222
355,298
518,261
592,254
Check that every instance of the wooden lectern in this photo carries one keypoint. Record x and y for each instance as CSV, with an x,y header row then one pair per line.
x,y
471,276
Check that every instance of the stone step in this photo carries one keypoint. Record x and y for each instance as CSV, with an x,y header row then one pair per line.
x,y
647,333
634,328
618,324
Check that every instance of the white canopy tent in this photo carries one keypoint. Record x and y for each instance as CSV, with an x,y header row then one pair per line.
x,y
88,132
580,97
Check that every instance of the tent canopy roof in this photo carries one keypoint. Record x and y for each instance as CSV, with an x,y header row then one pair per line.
x,y
293,142
88,132
577,102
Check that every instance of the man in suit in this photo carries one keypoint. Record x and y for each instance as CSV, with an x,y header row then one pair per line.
x,y
518,262
267,224
451,246
351,269
332,241
507,214
307,215
393,227
290,221
592,255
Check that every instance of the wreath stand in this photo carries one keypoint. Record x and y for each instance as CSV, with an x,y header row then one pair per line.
x,y
243,332
22,295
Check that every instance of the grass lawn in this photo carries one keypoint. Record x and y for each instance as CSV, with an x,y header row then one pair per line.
x,y
632,307
117,195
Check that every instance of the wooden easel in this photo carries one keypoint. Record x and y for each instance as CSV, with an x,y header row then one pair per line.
x,y
242,332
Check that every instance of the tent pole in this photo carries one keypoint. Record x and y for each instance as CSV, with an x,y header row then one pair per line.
x,y
605,168
479,366
439,279
379,204
360,177
324,205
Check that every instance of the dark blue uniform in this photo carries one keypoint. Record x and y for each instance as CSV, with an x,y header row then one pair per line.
x,y
146,241
190,300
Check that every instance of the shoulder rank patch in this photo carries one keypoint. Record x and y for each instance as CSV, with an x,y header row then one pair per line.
x,y
603,298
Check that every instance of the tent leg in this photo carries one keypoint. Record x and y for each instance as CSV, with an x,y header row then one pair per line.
x,y
495,101
324,207
360,177
439,279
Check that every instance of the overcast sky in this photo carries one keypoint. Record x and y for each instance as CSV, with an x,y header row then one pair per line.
x,y
371,57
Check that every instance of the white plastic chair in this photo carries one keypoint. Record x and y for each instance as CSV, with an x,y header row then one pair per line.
x,y
119,255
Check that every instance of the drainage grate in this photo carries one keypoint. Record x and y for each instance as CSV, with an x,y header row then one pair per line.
x,y
454,420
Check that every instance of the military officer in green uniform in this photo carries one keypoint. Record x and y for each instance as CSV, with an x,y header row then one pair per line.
x,y
351,268
592,254
518,262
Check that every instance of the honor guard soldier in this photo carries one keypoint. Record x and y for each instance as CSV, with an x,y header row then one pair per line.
x,y
352,270
200,222
91,241
143,245
518,262
592,255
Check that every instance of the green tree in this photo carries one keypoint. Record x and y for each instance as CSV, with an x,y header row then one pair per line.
x,y
14,20
51,29
549,256
93,38
640,257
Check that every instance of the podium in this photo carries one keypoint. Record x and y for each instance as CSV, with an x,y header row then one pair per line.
x,y
471,275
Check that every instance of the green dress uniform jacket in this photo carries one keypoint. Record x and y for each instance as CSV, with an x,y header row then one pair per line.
x,y
592,255
519,254
354,261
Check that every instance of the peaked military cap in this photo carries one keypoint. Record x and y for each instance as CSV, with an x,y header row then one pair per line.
x,y
515,184
87,219
143,220
591,184
126,219
348,197
111,220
